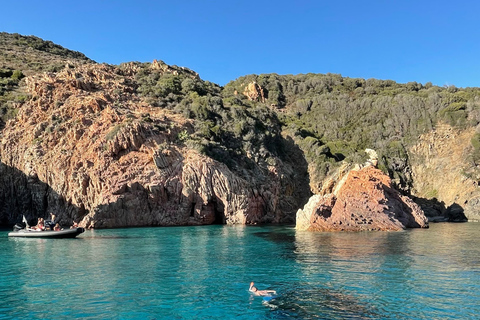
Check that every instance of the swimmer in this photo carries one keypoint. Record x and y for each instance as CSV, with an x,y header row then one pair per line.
x,y
257,292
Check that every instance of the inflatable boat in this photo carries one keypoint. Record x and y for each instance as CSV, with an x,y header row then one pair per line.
x,y
29,233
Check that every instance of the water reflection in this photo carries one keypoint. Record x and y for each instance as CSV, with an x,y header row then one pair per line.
x,y
204,272
308,302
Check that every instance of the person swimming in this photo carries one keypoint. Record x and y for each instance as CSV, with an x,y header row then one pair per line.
x,y
257,292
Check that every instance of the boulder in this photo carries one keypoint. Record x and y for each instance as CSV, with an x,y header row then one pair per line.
x,y
254,92
363,199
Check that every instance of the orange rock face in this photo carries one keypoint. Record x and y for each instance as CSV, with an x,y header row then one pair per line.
x,y
87,148
365,201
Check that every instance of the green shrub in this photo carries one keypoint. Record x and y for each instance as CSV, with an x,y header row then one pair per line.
x,y
183,135
17,75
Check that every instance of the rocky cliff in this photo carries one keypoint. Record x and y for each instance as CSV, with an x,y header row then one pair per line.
x,y
443,180
152,144
88,148
360,199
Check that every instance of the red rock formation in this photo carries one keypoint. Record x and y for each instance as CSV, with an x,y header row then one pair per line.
x,y
363,200
82,149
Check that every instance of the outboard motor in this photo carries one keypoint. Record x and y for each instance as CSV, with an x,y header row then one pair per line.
x,y
19,226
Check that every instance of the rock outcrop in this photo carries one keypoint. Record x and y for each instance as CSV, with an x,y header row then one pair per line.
x,y
87,148
360,199
441,164
254,92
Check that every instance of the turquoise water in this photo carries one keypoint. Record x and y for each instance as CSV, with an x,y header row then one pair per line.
x,y
204,273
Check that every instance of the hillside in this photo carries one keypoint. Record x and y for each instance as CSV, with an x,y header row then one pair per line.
x,y
24,56
144,144
31,54
332,118
271,138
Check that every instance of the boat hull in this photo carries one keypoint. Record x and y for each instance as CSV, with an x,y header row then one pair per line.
x,y
67,233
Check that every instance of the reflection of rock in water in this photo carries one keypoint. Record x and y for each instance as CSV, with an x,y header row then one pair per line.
x,y
315,303
284,238
277,236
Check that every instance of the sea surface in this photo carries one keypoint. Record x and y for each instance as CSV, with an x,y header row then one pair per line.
x,y
204,273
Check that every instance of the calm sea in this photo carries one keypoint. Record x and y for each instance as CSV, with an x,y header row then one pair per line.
x,y
204,273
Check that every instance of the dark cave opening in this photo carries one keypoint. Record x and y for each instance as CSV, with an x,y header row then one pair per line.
x,y
219,212
192,210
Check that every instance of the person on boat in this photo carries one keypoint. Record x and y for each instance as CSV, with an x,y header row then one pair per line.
x,y
57,227
257,292
50,224
74,225
40,225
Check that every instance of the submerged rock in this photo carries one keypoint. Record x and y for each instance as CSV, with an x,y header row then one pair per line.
x,y
363,199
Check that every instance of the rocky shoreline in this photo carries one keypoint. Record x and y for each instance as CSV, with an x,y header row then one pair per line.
x,y
89,147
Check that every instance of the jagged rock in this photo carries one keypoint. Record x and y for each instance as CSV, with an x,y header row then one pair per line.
x,y
472,211
80,148
363,199
254,92
175,70
373,157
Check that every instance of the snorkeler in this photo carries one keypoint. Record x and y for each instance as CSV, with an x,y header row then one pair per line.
x,y
257,292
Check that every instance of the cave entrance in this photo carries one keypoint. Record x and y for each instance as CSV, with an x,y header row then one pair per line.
x,y
219,213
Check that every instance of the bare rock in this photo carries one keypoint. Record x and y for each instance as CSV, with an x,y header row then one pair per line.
x,y
364,200
254,92
444,174
82,149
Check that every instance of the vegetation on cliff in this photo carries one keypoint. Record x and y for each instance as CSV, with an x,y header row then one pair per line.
x,y
257,121
233,130
333,117
23,56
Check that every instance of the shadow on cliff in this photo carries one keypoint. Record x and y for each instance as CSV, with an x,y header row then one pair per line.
x,y
290,152
21,194
292,171
436,211
138,206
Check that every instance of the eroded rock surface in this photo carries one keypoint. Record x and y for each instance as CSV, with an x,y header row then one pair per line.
x,y
87,148
444,174
360,199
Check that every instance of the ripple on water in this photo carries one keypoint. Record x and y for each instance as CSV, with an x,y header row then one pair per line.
x,y
203,273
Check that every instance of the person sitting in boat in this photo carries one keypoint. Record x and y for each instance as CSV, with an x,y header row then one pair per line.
x,y
40,225
50,224
257,292
57,227
74,225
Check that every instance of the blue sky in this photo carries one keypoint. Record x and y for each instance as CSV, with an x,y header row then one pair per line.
x,y
436,41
